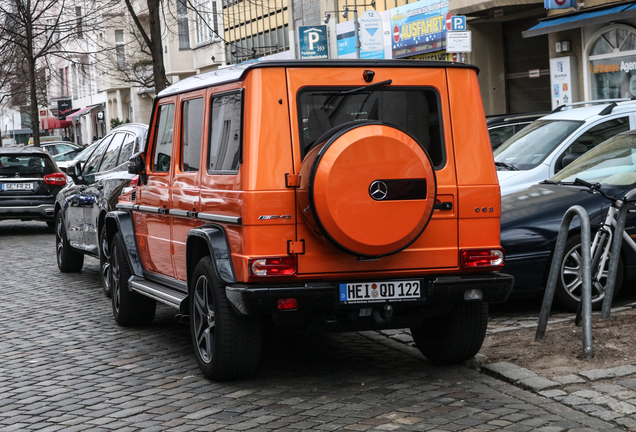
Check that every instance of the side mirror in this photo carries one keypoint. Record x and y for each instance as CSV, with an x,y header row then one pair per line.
x,y
569,158
74,171
136,164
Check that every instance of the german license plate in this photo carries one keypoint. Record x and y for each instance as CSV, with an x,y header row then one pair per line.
x,y
17,186
371,292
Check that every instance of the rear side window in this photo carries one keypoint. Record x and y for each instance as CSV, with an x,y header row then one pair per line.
x,y
26,164
163,139
225,133
192,131
413,110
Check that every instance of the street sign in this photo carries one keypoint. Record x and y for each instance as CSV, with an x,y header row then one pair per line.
x,y
371,31
313,42
448,21
459,42
458,23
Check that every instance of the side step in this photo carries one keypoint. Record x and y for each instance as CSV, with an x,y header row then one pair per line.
x,y
158,292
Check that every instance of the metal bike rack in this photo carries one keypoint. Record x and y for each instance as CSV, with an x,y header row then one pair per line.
x,y
586,269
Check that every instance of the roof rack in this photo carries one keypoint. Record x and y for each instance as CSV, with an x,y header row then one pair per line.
x,y
592,102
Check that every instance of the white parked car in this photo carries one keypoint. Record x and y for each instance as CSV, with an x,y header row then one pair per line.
x,y
547,145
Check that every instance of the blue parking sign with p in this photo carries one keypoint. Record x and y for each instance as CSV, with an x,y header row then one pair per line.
x,y
458,23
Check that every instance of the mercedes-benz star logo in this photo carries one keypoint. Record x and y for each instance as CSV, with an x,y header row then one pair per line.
x,y
378,190
17,174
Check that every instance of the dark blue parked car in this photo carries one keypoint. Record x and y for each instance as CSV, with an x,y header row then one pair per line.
x,y
531,218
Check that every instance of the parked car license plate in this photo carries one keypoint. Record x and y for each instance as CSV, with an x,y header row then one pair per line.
x,y
370,292
17,186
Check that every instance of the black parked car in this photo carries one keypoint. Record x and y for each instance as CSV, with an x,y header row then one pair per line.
x,y
531,218
502,127
29,182
82,205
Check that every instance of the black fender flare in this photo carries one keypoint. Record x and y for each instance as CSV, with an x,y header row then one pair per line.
x,y
122,221
218,247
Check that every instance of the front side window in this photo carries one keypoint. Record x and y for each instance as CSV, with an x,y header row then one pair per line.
x,y
225,134
163,140
192,134
126,149
414,110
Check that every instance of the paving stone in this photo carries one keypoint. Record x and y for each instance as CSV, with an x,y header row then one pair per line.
x,y
569,379
508,371
552,393
619,371
537,383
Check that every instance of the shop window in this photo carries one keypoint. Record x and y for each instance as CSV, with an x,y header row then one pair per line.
x,y
612,63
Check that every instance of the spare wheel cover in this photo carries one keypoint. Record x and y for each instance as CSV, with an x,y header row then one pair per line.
x,y
372,189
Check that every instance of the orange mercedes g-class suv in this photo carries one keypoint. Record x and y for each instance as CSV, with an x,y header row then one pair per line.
x,y
334,195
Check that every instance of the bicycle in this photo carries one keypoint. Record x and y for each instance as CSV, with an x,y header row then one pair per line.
x,y
601,247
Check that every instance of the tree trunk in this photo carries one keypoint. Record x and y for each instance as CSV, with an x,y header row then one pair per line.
x,y
33,96
156,48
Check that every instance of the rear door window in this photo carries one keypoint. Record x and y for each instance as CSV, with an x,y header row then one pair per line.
x,y
413,110
192,134
112,154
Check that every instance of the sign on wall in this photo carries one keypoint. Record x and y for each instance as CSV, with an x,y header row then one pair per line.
x,y
419,28
562,81
313,42
347,43
559,4
64,107
371,33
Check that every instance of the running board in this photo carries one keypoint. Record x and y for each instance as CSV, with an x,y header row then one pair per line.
x,y
155,291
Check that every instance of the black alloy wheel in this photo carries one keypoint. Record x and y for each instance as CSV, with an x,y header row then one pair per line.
x,y
68,259
226,345
104,262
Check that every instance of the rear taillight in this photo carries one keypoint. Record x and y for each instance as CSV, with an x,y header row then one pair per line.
x,y
55,179
482,258
274,266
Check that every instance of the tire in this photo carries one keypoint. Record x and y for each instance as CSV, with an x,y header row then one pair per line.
x,y
104,262
68,259
226,346
570,283
454,337
129,308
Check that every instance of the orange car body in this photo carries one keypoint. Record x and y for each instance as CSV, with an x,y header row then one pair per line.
x,y
310,207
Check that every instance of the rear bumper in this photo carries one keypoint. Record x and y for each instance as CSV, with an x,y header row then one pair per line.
x,y
323,296
42,211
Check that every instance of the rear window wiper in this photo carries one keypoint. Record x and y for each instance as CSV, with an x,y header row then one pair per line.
x,y
354,90
507,166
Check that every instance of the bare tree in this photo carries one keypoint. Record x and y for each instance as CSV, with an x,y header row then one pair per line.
x,y
34,31
152,39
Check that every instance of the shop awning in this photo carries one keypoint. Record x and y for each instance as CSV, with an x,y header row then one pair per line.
x,y
77,114
54,123
586,17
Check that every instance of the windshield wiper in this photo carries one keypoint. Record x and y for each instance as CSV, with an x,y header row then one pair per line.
x,y
507,166
551,182
354,90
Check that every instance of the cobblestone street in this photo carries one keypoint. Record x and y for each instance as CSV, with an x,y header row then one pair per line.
x,y
67,366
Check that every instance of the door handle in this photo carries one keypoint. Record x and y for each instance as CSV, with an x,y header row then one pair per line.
x,y
443,206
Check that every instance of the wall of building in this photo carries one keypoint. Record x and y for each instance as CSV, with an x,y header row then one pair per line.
x,y
488,56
